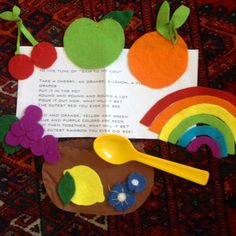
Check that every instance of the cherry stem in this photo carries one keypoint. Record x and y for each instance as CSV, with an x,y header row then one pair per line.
x,y
26,33
18,41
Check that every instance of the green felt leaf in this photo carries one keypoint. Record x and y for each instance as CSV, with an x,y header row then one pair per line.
x,y
9,149
7,15
91,44
173,34
168,28
15,16
165,31
66,188
16,11
123,17
11,16
178,19
163,17
180,16
5,124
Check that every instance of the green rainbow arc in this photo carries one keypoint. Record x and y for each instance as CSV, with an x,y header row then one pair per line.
x,y
208,119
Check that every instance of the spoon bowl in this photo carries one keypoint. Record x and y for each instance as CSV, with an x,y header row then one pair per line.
x,y
114,149
117,150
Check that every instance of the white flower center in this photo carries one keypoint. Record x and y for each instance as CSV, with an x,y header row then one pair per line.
x,y
121,197
135,182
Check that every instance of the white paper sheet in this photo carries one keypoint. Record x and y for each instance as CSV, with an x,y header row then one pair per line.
x,y
88,103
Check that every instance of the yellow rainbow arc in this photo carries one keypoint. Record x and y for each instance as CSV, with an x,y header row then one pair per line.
x,y
204,108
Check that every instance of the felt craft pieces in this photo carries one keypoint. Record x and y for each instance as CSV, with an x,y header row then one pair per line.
x,y
204,130
190,101
196,143
5,123
28,133
206,119
159,58
214,110
91,44
185,116
171,98
123,17
120,197
43,54
80,152
88,186
46,147
21,67
136,182
66,188
168,27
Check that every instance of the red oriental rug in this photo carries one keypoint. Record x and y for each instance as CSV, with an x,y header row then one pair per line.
x,y
175,206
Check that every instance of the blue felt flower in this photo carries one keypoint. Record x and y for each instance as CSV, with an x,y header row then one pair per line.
x,y
136,182
120,197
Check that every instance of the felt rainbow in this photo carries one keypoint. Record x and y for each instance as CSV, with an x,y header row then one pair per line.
x,y
196,116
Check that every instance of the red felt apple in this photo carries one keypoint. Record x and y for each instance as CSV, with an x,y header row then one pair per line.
x,y
43,55
20,67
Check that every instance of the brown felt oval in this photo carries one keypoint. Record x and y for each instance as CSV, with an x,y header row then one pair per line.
x,y
80,152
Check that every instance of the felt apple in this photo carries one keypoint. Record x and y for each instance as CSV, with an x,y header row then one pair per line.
x,y
91,44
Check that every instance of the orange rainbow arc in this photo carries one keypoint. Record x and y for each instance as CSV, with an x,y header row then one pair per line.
x,y
187,102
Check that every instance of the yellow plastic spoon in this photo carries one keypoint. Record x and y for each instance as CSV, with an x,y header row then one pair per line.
x,y
117,149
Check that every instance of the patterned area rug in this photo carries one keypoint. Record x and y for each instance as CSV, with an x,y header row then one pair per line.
x,y
175,206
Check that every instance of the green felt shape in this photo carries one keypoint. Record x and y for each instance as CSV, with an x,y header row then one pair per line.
x,y
16,11
11,16
123,17
163,20
66,188
178,19
91,44
14,15
168,27
5,124
26,33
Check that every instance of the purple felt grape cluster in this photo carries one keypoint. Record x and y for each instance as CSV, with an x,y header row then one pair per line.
x,y
28,133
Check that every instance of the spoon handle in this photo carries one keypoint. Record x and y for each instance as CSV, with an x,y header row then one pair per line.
x,y
187,172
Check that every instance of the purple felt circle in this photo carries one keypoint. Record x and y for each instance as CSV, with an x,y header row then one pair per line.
x,y
12,140
52,157
25,142
37,147
17,130
27,123
34,112
51,144
36,133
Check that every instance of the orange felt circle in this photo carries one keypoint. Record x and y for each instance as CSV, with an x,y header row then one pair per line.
x,y
156,61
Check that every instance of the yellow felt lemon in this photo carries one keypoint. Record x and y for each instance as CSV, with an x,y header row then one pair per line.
x,y
88,186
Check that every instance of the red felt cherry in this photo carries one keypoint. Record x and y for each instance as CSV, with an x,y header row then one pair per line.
x,y
20,67
43,55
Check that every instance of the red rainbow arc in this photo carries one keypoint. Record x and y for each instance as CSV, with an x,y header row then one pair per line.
x,y
195,116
